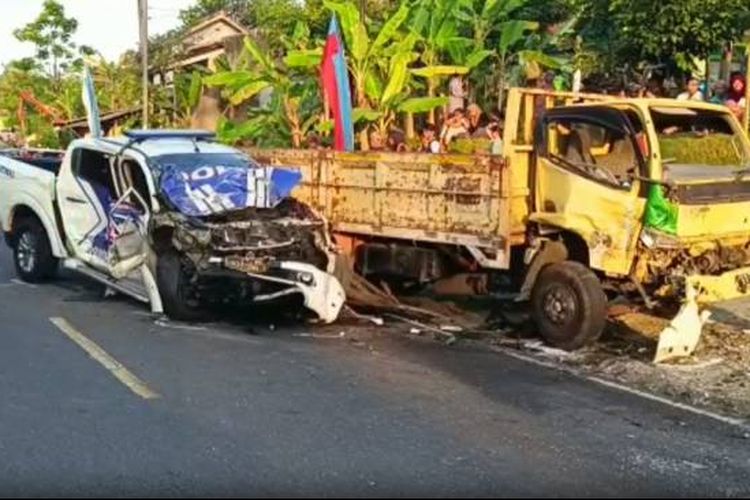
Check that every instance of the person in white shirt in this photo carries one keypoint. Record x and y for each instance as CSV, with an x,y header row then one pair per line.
x,y
457,91
430,142
692,91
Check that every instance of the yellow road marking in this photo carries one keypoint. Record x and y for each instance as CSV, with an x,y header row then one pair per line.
x,y
103,358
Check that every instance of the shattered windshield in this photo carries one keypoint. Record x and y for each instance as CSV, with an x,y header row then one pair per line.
x,y
699,142
201,184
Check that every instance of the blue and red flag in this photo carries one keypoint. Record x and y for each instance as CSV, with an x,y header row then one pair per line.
x,y
335,77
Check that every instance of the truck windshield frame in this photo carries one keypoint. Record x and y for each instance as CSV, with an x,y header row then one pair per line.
x,y
611,126
694,137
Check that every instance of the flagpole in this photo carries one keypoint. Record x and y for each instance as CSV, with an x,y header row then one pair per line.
x,y
143,29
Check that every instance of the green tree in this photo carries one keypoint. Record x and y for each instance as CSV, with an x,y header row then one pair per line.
x,y
51,32
269,19
294,106
670,31
238,9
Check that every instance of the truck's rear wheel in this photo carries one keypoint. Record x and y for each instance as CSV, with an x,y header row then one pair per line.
x,y
172,280
32,252
569,305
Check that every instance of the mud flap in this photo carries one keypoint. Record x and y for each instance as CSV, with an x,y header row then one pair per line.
x,y
681,336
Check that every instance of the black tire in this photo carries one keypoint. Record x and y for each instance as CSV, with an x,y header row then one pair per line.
x,y
32,252
569,305
171,279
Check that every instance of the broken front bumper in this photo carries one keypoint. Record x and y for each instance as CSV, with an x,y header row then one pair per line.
x,y
727,286
681,336
322,292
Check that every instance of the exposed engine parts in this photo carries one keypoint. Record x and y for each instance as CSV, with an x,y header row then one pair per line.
x,y
250,240
660,267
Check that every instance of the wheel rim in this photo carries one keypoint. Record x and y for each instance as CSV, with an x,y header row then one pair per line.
x,y
560,304
26,252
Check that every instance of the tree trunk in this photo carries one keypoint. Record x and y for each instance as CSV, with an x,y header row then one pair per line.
x,y
501,87
364,141
294,123
361,97
409,125
431,93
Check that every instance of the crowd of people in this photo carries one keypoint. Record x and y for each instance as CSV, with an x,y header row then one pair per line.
x,y
458,122
731,94
462,122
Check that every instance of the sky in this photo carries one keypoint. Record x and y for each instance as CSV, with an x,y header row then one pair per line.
x,y
109,26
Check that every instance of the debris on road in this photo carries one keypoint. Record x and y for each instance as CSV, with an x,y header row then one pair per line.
x,y
376,320
446,337
340,335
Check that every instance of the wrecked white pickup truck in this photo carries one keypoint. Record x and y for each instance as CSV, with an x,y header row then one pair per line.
x,y
170,218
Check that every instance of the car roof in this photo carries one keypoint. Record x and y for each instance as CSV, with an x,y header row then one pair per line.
x,y
154,147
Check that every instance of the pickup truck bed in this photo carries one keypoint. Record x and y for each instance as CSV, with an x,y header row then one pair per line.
x,y
49,160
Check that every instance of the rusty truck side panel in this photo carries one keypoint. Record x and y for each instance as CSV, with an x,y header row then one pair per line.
x,y
454,199
479,201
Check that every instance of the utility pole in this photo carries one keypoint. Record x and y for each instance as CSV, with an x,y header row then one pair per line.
x,y
143,28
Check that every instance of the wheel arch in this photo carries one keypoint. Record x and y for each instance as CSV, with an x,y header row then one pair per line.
x,y
25,210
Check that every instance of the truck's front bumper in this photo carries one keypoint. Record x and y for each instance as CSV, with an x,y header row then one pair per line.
x,y
727,286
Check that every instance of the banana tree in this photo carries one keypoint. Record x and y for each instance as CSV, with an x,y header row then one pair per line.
x,y
486,17
521,50
367,58
188,91
393,98
289,80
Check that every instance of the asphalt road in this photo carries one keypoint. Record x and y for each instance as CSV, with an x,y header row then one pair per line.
x,y
246,410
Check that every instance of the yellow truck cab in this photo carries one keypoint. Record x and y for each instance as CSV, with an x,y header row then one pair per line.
x,y
593,196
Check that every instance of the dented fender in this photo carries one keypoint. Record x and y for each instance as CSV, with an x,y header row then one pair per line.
x,y
604,253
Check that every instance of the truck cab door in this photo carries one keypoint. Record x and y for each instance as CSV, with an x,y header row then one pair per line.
x,y
589,160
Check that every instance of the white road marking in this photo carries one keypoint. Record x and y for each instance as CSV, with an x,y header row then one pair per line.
x,y
103,358
737,422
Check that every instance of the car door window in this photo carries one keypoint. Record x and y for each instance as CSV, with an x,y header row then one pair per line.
x,y
601,153
93,167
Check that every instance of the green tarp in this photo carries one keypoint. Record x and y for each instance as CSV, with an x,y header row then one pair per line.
x,y
660,213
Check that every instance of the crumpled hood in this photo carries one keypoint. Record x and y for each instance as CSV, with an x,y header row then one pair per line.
x,y
215,189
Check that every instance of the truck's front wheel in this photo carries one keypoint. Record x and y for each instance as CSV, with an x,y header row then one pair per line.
x,y
569,305
32,252
172,280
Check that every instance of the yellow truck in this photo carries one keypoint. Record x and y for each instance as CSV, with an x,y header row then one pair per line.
x,y
593,196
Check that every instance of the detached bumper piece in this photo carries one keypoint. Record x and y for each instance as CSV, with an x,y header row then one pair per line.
x,y
727,286
681,337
